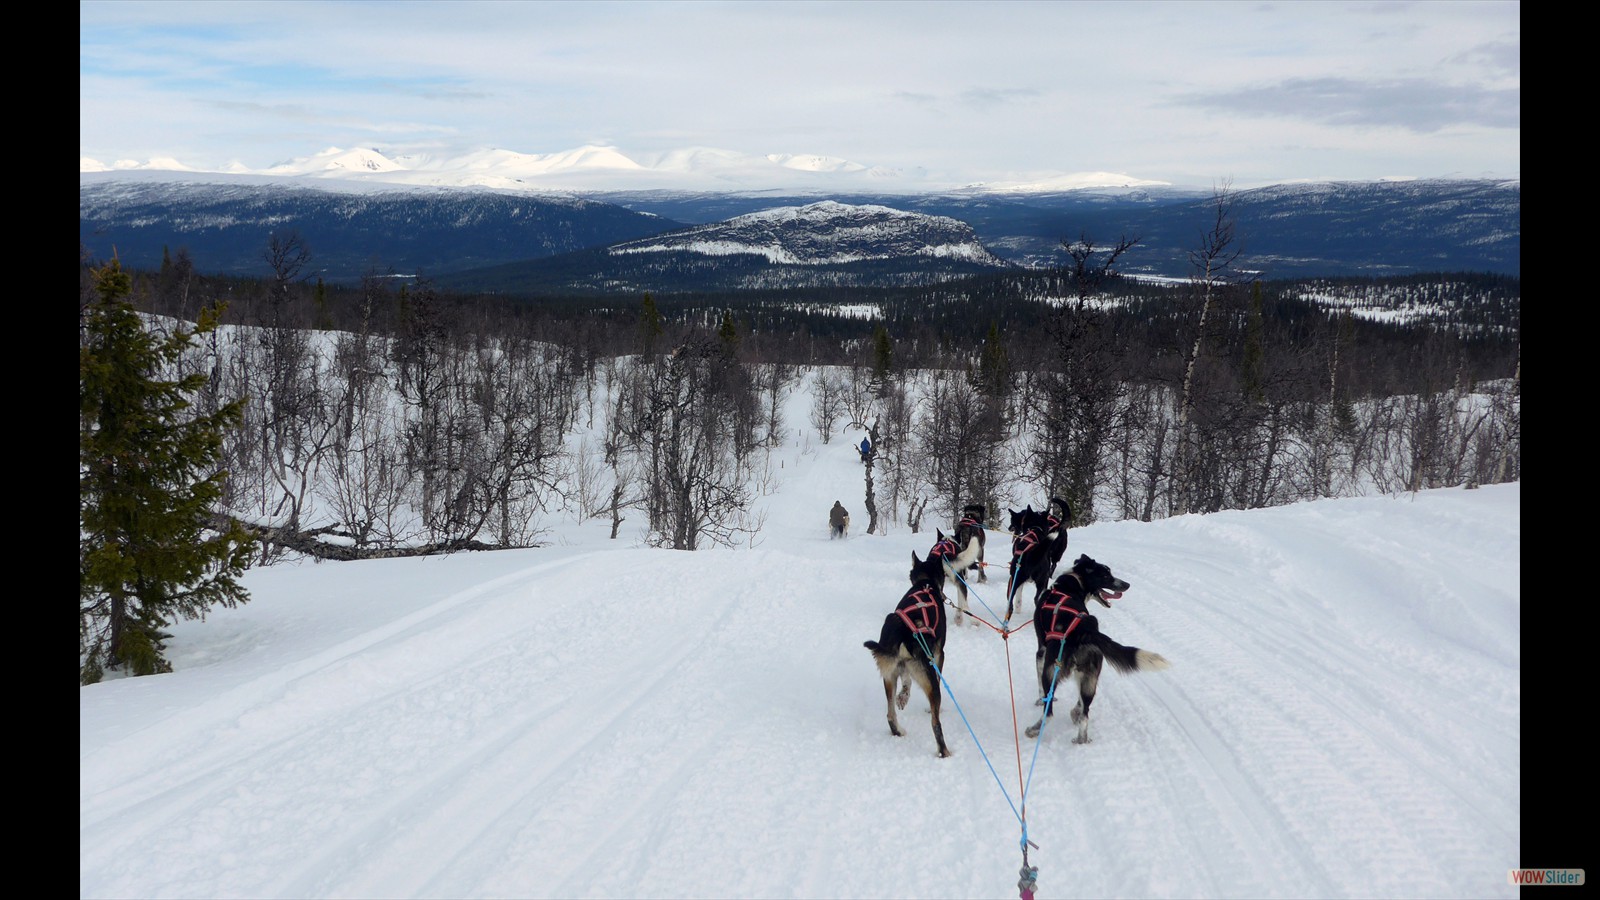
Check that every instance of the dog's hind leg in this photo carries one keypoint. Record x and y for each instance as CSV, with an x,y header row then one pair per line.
x,y
1011,591
930,683
1048,673
894,720
892,672
962,614
1088,682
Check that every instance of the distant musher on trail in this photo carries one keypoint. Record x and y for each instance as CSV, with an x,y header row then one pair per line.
x,y
838,521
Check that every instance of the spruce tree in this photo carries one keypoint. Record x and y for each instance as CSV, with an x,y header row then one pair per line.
x,y
728,332
649,325
994,366
148,551
882,359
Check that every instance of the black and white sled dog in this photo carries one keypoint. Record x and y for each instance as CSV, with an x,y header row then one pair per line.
x,y
1038,541
957,562
1058,512
1071,646
911,646
970,528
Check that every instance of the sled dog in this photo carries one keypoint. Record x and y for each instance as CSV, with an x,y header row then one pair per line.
x,y
969,528
1038,541
911,646
956,565
1071,646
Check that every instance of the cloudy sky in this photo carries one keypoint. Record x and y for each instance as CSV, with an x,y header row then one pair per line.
x,y
1184,92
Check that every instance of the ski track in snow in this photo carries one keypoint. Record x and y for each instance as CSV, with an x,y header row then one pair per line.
x,y
619,722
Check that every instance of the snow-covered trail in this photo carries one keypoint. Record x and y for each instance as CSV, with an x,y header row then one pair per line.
x,y
589,721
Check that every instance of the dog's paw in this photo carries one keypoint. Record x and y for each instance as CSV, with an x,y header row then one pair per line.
x,y
1082,739
1033,730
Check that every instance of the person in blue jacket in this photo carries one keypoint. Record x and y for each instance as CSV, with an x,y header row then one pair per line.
x,y
866,449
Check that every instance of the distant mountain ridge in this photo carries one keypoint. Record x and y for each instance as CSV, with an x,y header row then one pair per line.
x,y
1284,231
225,225
496,239
823,233
827,243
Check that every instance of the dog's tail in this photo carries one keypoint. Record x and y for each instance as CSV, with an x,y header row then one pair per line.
x,y
967,557
1129,659
883,653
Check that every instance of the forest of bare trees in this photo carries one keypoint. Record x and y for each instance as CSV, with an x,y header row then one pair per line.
x,y
389,418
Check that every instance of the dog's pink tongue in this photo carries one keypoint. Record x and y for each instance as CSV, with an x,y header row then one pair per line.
x,y
1111,595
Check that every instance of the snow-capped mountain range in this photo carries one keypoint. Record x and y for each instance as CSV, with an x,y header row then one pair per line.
x,y
601,168
702,217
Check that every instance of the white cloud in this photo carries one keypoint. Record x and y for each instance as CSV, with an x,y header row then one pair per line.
x,y
965,91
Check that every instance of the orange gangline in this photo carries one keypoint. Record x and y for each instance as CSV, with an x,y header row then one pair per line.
x,y
1016,737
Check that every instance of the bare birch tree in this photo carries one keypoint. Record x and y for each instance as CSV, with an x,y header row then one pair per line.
x,y
1211,272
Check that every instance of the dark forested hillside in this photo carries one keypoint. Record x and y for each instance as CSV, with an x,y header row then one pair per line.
x,y
1382,319
493,241
685,271
226,227
1287,231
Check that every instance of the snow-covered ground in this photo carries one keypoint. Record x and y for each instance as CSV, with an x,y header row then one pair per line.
x,y
594,718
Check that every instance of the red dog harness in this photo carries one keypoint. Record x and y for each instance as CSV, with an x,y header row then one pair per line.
x,y
1057,603
921,605
945,549
1022,543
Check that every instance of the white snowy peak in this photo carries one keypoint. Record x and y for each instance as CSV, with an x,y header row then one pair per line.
x,y
605,168
809,163
334,161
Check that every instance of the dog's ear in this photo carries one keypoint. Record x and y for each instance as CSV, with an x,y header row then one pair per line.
x,y
1083,561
